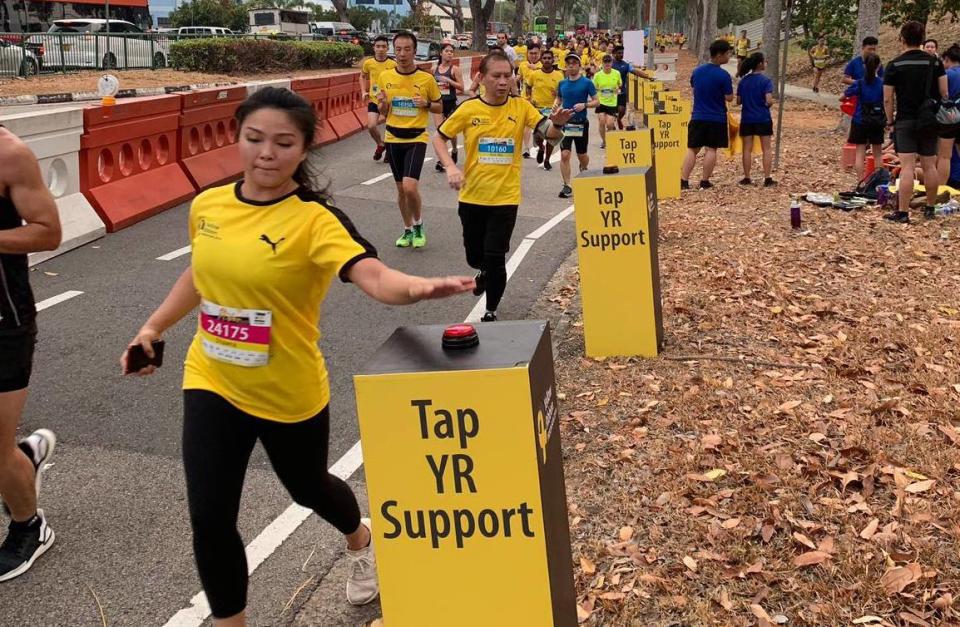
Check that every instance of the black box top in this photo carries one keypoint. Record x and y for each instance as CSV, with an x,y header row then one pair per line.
x,y
419,349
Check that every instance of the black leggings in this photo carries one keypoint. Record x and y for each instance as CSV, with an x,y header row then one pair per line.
x,y
486,239
217,441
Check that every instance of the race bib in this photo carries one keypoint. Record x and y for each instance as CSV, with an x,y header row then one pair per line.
x,y
235,336
403,107
573,130
606,93
496,150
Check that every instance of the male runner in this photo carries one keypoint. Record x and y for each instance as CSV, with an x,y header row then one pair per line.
x,y
542,91
406,96
369,74
524,68
625,68
575,92
24,198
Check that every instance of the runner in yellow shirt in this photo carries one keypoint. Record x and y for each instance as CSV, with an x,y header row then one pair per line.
x,y
492,127
265,251
742,46
406,97
542,92
608,83
819,55
369,74
526,67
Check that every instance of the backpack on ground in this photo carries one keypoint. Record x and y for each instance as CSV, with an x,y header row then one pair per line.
x,y
868,186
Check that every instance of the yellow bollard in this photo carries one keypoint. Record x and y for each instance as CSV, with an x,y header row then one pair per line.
x,y
616,217
668,151
464,473
629,149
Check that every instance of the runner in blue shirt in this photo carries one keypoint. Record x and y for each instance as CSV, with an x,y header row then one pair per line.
x,y
856,67
625,68
867,130
575,92
712,90
948,140
755,96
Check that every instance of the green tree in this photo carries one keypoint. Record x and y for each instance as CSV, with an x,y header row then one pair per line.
x,y
210,13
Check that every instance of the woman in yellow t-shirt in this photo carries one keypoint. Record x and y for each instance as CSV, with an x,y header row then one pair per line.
x,y
265,251
819,55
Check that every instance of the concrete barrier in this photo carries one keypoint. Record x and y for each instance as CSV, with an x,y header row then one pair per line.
x,y
256,86
54,137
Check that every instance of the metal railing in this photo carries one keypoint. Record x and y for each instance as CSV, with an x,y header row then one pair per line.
x,y
30,54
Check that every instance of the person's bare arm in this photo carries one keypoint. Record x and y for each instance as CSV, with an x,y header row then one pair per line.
x,y
888,97
392,287
942,84
593,102
457,79
848,80
474,86
34,203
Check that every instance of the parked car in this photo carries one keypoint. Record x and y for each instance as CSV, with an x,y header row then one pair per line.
x,y
463,41
426,50
87,44
15,60
189,32
330,29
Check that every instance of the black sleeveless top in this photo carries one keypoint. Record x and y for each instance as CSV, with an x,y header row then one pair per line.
x,y
17,308
447,91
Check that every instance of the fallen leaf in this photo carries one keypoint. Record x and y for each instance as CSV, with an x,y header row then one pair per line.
x,y
710,441
612,596
896,579
920,486
865,620
810,558
804,540
760,613
730,523
626,533
724,600
588,567
716,473
789,406
690,563
582,614
870,529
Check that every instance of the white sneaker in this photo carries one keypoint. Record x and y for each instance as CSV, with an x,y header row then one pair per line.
x,y
362,585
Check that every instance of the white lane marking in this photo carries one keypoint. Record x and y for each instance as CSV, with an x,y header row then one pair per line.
x,y
377,179
56,300
270,539
174,254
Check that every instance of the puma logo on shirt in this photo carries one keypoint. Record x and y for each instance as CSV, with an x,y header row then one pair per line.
x,y
273,245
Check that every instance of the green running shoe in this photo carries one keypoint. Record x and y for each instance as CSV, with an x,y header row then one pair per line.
x,y
419,239
406,239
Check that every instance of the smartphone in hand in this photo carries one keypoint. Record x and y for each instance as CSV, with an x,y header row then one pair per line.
x,y
137,358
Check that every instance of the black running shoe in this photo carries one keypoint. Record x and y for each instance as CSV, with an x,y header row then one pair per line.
x,y
489,317
898,216
684,184
539,155
526,154
745,181
566,192
705,184
929,212
769,182
23,545
481,281
547,165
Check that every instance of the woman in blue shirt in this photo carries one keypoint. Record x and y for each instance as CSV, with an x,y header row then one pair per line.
x,y
755,96
948,140
869,121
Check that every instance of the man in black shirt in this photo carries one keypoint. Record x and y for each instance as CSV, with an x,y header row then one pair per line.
x,y
909,80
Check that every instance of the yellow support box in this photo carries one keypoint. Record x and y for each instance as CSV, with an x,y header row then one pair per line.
x,y
464,473
675,104
629,149
668,152
616,216
650,90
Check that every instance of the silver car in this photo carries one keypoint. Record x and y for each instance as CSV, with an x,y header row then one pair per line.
x,y
85,43
17,61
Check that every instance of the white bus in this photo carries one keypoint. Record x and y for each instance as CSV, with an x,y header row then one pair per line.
x,y
279,21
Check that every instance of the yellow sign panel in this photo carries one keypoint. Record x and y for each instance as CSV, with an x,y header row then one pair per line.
x,y
616,216
465,485
668,152
677,105
650,91
629,149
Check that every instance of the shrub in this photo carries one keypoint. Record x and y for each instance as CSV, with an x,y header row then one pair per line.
x,y
250,56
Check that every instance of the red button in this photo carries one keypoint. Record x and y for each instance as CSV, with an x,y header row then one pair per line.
x,y
456,331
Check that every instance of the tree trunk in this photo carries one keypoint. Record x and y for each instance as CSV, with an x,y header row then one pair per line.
x,y
481,11
692,27
551,6
341,8
772,35
518,17
709,28
868,21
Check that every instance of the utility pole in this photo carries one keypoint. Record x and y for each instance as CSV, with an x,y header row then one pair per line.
x,y
783,81
652,44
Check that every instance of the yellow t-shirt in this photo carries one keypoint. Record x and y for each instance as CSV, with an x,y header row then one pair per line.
x,y
544,87
492,137
521,53
371,68
559,57
820,55
743,46
525,69
262,270
407,123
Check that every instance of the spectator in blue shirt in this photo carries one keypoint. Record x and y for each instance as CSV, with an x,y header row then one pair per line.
x,y
867,127
712,90
755,96
945,147
856,68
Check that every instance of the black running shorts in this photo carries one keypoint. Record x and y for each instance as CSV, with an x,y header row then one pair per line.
x,y
581,142
406,160
16,357
710,134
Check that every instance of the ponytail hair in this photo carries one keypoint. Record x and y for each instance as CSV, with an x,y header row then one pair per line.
x,y
871,63
750,64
